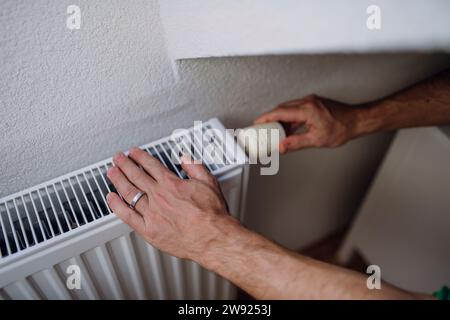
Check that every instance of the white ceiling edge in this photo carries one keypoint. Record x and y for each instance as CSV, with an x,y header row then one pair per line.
x,y
221,28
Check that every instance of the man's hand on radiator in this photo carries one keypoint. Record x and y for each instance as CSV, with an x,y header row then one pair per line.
x,y
181,217
189,219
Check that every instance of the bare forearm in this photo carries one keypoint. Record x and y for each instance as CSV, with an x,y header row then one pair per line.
x,y
424,104
268,271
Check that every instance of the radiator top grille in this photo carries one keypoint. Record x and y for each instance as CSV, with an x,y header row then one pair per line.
x,y
67,203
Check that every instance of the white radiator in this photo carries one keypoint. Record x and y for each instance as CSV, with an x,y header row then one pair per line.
x,y
48,229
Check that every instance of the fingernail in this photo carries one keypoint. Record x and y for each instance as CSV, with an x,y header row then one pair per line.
x,y
108,197
118,156
111,171
282,148
185,158
134,149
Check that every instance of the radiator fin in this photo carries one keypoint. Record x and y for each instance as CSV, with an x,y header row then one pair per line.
x,y
22,290
100,264
125,262
3,295
150,259
51,284
88,290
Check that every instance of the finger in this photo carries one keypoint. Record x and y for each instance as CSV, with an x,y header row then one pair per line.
x,y
153,166
292,127
126,188
284,114
123,211
197,171
295,102
135,175
295,142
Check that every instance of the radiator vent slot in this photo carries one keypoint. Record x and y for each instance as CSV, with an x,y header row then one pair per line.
x,y
69,202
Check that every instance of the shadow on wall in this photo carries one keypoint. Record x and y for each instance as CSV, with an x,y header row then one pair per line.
x,y
243,87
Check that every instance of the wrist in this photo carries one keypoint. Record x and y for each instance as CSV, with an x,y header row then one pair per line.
x,y
367,120
228,238
355,121
222,232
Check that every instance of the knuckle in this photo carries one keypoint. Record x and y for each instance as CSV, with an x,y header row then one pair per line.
x,y
266,115
148,189
316,142
130,193
150,159
212,180
141,153
126,216
294,144
171,180
210,177
311,97
151,230
135,175
160,196
137,152
309,105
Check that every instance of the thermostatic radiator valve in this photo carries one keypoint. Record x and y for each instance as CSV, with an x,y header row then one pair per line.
x,y
261,139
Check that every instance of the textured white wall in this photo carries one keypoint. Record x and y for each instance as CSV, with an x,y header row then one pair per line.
x,y
219,28
69,98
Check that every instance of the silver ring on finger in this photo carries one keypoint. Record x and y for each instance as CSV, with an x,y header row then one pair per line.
x,y
136,199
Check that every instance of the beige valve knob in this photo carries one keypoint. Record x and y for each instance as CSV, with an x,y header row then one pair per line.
x,y
261,139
